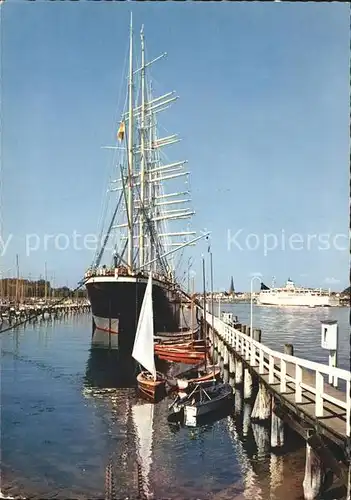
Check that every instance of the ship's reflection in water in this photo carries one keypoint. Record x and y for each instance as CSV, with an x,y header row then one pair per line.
x,y
225,456
108,369
73,425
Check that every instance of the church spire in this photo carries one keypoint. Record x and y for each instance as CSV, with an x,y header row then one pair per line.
x,y
231,288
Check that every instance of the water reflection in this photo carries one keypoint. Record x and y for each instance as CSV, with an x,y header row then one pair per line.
x,y
70,413
108,369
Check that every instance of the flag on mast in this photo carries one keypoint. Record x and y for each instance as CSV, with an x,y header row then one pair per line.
x,y
121,131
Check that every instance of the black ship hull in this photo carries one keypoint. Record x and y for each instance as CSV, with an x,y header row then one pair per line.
x,y
116,304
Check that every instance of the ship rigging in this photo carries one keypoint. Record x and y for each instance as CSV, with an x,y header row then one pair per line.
x,y
140,220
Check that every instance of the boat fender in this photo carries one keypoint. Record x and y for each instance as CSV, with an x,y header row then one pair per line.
x,y
182,384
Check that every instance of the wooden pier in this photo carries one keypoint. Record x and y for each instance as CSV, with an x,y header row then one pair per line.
x,y
29,312
290,391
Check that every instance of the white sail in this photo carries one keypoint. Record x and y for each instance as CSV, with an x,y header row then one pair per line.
x,y
143,349
143,416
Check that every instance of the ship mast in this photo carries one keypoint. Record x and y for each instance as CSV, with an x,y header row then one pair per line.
x,y
130,152
143,159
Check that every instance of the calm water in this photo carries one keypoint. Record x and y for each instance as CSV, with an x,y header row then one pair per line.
x,y
68,412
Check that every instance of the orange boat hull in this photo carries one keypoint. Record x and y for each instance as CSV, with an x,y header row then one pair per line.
x,y
182,356
197,345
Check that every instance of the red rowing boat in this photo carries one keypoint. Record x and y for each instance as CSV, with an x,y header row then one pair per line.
x,y
185,356
193,345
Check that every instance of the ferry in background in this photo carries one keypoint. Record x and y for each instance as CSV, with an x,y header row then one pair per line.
x,y
292,295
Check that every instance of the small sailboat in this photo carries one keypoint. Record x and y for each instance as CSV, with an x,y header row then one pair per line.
x,y
151,383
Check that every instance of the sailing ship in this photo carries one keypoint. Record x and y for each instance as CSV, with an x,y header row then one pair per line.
x,y
151,383
142,212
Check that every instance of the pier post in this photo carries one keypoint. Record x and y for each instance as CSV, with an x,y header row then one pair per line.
x,y
257,333
261,436
231,363
247,384
238,371
214,342
277,428
226,358
289,349
243,329
238,401
220,347
262,407
246,418
314,475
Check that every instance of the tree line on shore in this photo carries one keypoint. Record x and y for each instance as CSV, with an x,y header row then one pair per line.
x,y
20,289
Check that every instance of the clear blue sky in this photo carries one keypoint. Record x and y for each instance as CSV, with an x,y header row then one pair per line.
x,y
263,113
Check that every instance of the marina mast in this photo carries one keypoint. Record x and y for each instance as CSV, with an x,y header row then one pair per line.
x,y
143,151
130,152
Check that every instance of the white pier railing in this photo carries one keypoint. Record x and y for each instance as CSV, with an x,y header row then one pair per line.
x,y
275,363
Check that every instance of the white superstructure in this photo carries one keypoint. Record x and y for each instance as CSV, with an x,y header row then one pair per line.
x,y
292,295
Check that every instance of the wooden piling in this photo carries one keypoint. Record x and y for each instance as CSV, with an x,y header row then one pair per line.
x,y
257,334
231,363
314,475
262,407
226,358
246,418
277,428
243,329
261,436
247,384
238,371
289,349
238,401
220,347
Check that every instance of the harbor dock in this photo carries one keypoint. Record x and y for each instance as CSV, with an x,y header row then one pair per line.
x,y
286,390
28,312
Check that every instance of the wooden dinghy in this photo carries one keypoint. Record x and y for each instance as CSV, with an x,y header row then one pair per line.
x,y
151,384
177,337
203,400
151,389
193,345
185,356
206,374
